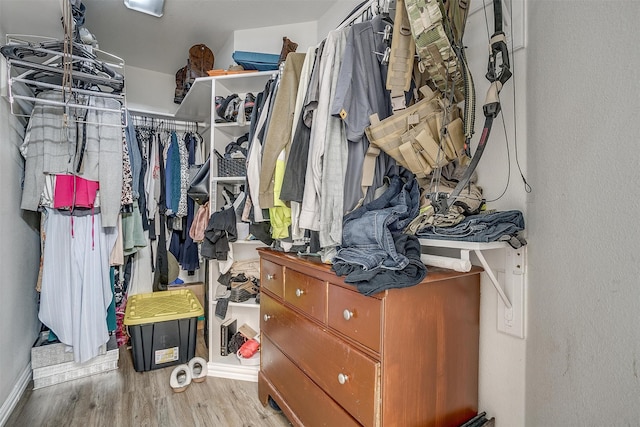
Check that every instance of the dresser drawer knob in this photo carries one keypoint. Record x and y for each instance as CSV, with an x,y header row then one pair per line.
x,y
299,292
342,378
347,314
271,276
266,317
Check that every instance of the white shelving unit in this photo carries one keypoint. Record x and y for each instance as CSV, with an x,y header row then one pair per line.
x,y
199,105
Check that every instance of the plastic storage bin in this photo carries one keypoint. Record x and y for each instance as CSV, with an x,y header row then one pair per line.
x,y
162,326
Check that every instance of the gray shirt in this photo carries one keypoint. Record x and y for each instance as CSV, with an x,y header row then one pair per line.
x,y
360,93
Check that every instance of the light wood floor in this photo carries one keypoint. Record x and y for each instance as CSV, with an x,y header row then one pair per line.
x,y
124,398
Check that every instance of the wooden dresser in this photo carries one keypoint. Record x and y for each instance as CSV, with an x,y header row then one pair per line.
x,y
331,356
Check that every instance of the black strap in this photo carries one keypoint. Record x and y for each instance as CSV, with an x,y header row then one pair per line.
x,y
441,201
161,273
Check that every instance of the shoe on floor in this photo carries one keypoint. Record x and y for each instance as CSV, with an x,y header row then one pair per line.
x,y
198,368
180,378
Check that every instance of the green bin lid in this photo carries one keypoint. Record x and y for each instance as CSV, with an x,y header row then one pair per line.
x,y
161,307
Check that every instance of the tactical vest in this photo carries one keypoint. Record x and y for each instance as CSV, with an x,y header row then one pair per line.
x,y
436,40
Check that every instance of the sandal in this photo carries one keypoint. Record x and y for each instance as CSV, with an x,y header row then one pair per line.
x,y
180,378
198,368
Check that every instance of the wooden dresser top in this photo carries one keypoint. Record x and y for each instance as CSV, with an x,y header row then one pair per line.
x,y
313,266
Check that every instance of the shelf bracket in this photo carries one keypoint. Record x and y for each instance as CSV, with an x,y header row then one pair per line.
x,y
492,277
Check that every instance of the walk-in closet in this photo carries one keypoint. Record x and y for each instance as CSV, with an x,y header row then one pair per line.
x,y
318,213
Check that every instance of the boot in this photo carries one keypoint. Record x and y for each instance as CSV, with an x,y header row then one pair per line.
x,y
181,76
201,59
287,47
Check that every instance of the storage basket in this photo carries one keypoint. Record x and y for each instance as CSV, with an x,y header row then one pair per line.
x,y
231,167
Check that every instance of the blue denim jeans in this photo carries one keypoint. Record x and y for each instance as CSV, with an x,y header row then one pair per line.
x,y
368,232
488,227
369,282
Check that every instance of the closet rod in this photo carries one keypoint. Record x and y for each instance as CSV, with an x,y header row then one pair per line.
x,y
164,116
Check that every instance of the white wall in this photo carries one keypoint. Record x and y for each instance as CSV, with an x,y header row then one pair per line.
x,y
334,17
223,56
269,39
20,255
150,90
584,265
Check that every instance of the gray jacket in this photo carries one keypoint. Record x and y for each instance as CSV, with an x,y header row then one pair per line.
x,y
50,147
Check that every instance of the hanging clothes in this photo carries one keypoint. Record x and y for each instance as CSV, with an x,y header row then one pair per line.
x,y
172,176
144,138
296,165
185,155
76,286
254,156
358,95
293,180
127,175
310,214
161,270
278,136
92,150
182,245
334,162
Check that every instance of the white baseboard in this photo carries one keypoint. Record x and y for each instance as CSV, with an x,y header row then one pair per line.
x,y
15,395
234,372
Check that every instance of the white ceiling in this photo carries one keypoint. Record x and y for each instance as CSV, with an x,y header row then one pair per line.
x,y
160,44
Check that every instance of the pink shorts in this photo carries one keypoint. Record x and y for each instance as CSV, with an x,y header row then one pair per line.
x,y
73,191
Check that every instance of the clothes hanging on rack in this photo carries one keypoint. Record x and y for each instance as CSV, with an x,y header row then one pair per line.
x,y
109,223
293,179
254,154
278,137
297,153
359,96
277,143
182,245
76,286
143,138
327,129
94,152
322,199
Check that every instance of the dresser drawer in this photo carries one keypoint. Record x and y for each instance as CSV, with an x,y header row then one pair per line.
x,y
306,293
271,277
312,406
355,315
346,374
